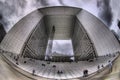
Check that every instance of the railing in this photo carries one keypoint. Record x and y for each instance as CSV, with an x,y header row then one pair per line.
x,y
65,58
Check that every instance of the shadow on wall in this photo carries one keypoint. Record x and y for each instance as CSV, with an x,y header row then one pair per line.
x,y
118,24
2,32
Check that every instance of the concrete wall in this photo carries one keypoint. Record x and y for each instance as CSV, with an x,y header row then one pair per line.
x,y
83,47
35,47
102,38
17,36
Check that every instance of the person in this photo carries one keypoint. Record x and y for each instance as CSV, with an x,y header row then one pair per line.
x,y
25,61
58,72
102,66
11,55
54,66
98,67
14,57
17,63
61,71
33,72
85,73
43,65
110,65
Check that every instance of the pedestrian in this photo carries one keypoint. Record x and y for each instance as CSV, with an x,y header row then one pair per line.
x,y
33,72
98,67
102,66
85,73
110,65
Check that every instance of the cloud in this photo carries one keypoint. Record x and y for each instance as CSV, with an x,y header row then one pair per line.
x,y
105,11
13,10
43,2
58,47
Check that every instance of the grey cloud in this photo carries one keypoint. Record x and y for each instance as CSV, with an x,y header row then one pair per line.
x,y
58,47
17,8
62,2
10,8
105,11
43,2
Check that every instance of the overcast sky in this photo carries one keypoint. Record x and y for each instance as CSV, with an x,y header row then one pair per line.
x,y
11,11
